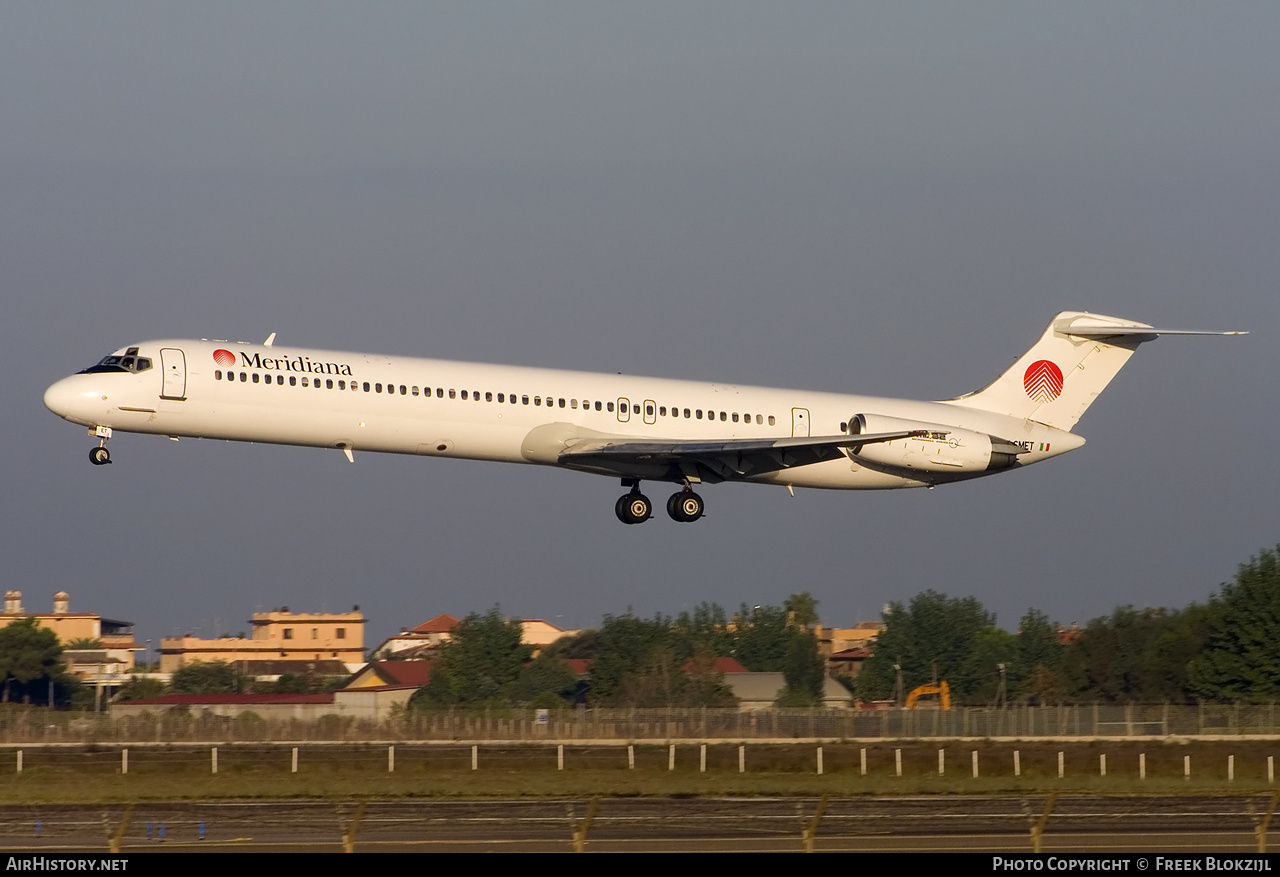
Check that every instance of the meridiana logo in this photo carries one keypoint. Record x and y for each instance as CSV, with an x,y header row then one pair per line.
x,y
1043,381
224,358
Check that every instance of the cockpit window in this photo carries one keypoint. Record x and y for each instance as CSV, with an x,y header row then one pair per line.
x,y
131,362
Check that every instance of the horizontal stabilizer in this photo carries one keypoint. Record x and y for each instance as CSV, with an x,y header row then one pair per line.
x,y
1057,379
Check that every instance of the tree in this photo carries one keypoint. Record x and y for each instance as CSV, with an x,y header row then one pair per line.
x,y
140,687
29,654
802,609
1133,655
803,671
83,643
207,677
762,638
1241,659
479,663
635,663
1036,674
932,638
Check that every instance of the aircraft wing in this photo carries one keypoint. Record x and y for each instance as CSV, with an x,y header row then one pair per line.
x,y
712,461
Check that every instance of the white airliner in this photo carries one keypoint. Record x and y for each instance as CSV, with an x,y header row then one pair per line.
x,y
632,428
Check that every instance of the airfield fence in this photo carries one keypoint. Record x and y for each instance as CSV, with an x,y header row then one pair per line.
x,y
30,725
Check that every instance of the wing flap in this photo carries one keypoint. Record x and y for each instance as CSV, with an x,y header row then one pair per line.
x,y
672,459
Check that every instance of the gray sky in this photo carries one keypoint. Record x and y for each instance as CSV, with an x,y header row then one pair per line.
x,y
890,199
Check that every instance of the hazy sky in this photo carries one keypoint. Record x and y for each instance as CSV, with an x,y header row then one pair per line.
x,y
885,198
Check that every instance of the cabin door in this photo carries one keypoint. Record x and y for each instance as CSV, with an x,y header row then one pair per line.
x,y
799,421
173,363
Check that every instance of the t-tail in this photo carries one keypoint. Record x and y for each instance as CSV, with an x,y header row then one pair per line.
x,y
1056,381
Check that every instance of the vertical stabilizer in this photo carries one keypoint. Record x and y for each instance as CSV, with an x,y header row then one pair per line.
x,y
1057,380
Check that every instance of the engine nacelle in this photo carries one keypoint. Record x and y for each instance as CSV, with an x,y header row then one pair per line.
x,y
940,448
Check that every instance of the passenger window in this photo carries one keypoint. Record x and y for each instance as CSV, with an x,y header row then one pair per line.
x,y
610,406
635,409
342,385
328,383
453,394
771,423
597,406
573,403
758,419
686,412
243,377
561,403
502,397
403,391
439,392
256,378
488,397
537,400
698,413
524,400
365,385
217,374
412,390
723,416
648,410
464,394
735,417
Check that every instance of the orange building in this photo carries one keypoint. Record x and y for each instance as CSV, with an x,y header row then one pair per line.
x,y
110,661
279,635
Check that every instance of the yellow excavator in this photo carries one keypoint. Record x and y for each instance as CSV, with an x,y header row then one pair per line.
x,y
941,689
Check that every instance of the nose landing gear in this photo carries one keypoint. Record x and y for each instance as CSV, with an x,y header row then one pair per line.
x,y
100,456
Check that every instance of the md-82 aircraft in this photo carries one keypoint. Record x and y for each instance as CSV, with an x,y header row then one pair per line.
x,y
636,429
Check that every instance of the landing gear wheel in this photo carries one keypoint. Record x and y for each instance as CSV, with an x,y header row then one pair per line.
x,y
685,506
633,508
99,456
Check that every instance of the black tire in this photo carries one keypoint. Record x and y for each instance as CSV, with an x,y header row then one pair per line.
x,y
690,506
633,508
99,456
673,507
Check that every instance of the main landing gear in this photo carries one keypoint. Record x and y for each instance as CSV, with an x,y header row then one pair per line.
x,y
636,508
100,456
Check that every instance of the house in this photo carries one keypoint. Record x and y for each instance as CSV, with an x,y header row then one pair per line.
x,y
422,641
107,661
302,639
416,642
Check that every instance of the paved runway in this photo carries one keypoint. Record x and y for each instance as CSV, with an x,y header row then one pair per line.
x,y
998,823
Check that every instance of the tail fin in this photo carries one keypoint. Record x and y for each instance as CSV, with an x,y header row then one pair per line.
x,y
1057,380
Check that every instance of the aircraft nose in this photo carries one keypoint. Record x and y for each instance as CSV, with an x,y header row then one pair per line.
x,y
68,396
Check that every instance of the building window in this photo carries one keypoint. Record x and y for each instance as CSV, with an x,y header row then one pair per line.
x,y
288,633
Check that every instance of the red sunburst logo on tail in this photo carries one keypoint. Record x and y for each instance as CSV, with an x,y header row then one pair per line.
x,y
1043,381
226,358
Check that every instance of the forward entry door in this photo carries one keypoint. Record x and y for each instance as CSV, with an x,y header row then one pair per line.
x,y
173,363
